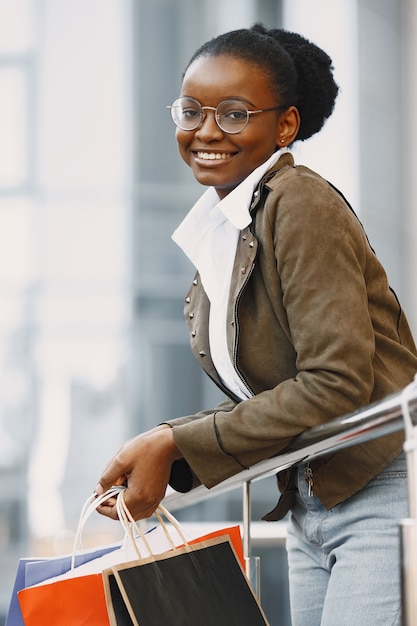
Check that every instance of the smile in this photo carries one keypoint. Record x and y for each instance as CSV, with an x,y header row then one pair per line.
x,y
214,156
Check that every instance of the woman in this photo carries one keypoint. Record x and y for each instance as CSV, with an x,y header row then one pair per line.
x,y
291,315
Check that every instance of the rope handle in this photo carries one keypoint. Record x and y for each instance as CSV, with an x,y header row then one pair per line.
x,y
89,507
129,524
160,513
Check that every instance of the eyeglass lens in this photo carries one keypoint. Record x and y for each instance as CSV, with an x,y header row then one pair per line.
x,y
231,115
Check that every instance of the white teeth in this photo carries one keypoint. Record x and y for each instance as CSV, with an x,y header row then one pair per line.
x,y
213,156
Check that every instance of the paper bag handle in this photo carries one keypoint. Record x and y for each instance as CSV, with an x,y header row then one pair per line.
x,y
127,521
88,508
160,513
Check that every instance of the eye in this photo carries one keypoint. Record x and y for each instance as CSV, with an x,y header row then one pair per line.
x,y
235,115
190,114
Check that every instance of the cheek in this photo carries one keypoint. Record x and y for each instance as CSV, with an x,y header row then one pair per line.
x,y
261,150
183,141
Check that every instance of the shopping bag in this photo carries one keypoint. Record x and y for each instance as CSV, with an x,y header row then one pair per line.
x,y
31,571
14,615
233,532
70,602
201,583
76,596
72,598
52,603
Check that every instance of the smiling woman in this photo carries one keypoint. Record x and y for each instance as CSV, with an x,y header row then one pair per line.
x,y
291,316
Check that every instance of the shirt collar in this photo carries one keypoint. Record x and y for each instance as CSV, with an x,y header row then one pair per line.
x,y
235,207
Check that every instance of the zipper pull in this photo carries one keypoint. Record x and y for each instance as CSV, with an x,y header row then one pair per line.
x,y
308,476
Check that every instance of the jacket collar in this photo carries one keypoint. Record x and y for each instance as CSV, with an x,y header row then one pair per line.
x,y
285,160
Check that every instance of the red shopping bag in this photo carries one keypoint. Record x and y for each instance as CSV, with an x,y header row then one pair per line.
x,y
70,602
233,532
31,571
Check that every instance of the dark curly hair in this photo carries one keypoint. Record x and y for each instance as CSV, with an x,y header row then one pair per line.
x,y
301,73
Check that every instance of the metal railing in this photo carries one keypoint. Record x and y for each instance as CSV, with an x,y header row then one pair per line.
x,y
382,418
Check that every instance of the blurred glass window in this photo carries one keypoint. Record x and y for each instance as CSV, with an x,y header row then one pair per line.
x,y
13,126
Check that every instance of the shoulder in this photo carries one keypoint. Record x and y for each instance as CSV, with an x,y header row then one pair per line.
x,y
297,183
299,207
299,193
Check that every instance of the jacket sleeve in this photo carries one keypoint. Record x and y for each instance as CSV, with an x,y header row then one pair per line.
x,y
182,477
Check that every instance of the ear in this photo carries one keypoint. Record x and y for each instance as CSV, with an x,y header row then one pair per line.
x,y
289,123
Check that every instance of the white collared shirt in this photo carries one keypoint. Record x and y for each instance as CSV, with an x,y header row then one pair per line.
x,y
208,235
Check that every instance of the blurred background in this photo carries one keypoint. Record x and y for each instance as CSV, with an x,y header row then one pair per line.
x,y
93,347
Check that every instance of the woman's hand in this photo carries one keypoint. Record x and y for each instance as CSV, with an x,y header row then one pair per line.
x,y
143,465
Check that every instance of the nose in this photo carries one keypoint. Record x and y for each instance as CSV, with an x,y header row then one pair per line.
x,y
209,128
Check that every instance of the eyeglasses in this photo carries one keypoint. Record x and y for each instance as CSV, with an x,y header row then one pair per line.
x,y
232,116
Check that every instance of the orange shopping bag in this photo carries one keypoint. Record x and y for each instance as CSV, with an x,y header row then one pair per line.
x,y
70,602
74,601
233,532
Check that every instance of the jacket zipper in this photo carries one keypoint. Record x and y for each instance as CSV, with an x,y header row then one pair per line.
x,y
248,275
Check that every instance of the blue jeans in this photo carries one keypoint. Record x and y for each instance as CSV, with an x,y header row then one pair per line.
x,y
344,564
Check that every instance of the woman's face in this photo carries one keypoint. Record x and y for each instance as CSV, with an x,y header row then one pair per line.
x,y
219,159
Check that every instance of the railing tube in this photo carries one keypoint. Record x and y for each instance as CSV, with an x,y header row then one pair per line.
x,y
247,516
252,563
408,527
381,418
408,535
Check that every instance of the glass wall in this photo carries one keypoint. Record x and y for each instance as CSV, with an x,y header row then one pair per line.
x,y
65,120
18,385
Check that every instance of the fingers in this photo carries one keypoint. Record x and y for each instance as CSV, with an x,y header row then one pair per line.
x,y
142,497
109,509
139,508
106,483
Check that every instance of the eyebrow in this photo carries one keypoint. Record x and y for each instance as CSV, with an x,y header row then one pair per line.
x,y
239,98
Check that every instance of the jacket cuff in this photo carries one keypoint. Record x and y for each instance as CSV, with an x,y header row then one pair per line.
x,y
199,445
182,479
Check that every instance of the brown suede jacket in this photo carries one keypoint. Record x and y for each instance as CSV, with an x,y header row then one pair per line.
x,y
314,330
